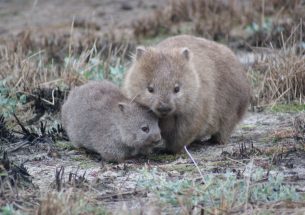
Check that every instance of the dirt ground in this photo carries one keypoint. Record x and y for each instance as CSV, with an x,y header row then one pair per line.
x,y
266,139
262,140
255,133
53,16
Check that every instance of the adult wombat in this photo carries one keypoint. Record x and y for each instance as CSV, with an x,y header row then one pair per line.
x,y
197,88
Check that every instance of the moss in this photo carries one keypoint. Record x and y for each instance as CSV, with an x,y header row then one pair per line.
x,y
84,162
7,210
9,13
166,157
287,108
247,127
87,164
78,158
64,145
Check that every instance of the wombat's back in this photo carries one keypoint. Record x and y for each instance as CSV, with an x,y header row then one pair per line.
x,y
98,117
88,106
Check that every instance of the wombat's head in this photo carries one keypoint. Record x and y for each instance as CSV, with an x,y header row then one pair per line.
x,y
163,80
139,126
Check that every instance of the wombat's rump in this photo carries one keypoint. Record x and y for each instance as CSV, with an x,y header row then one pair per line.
x,y
98,117
197,88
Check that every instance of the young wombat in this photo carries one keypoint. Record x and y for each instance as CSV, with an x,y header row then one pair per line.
x,y
197,88
98,117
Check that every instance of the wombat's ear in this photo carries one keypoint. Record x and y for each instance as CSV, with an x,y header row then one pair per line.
x,y
140,50
122,106
185,53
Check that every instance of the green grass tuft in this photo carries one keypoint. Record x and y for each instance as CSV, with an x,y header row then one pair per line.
x,y
9,99
287,108
64,145
223,192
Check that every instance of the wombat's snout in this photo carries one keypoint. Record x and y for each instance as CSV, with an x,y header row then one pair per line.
x,y
156,138
164,109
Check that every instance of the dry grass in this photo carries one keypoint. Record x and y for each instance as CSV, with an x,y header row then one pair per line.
x,y
69,202
279,78
32,63
28,72
30,60
75,196
281,207
16,187
225,20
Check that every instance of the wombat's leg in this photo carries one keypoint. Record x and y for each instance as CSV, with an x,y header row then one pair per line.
x,y
169,137
229,123
116,153
183,134
173,145
143,151
176,144
217,139
224,133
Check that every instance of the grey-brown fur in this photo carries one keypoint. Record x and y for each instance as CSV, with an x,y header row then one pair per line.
x,y
213,89
98,117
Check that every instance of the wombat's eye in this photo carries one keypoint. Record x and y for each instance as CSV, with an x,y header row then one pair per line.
x,y
150,89
176,89
145,129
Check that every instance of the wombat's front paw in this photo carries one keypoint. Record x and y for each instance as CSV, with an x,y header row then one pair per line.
x,y
162,150
214,141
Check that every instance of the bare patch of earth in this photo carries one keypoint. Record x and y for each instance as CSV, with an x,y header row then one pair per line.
x,y
45,15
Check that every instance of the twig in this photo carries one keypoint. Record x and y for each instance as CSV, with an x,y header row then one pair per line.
x,y
195,163
52,81
42,99
202,178
235,160
278,98
115,195
22,127
22,143
132,100
18,206
59,177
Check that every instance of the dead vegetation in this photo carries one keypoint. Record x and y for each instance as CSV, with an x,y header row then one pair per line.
x,y
30,61
37,70
279,77
299,128
16,184
241,23
68,202
17,189
283,79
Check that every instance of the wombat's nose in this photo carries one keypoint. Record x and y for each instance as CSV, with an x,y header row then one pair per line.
x,y
164,109
157,138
